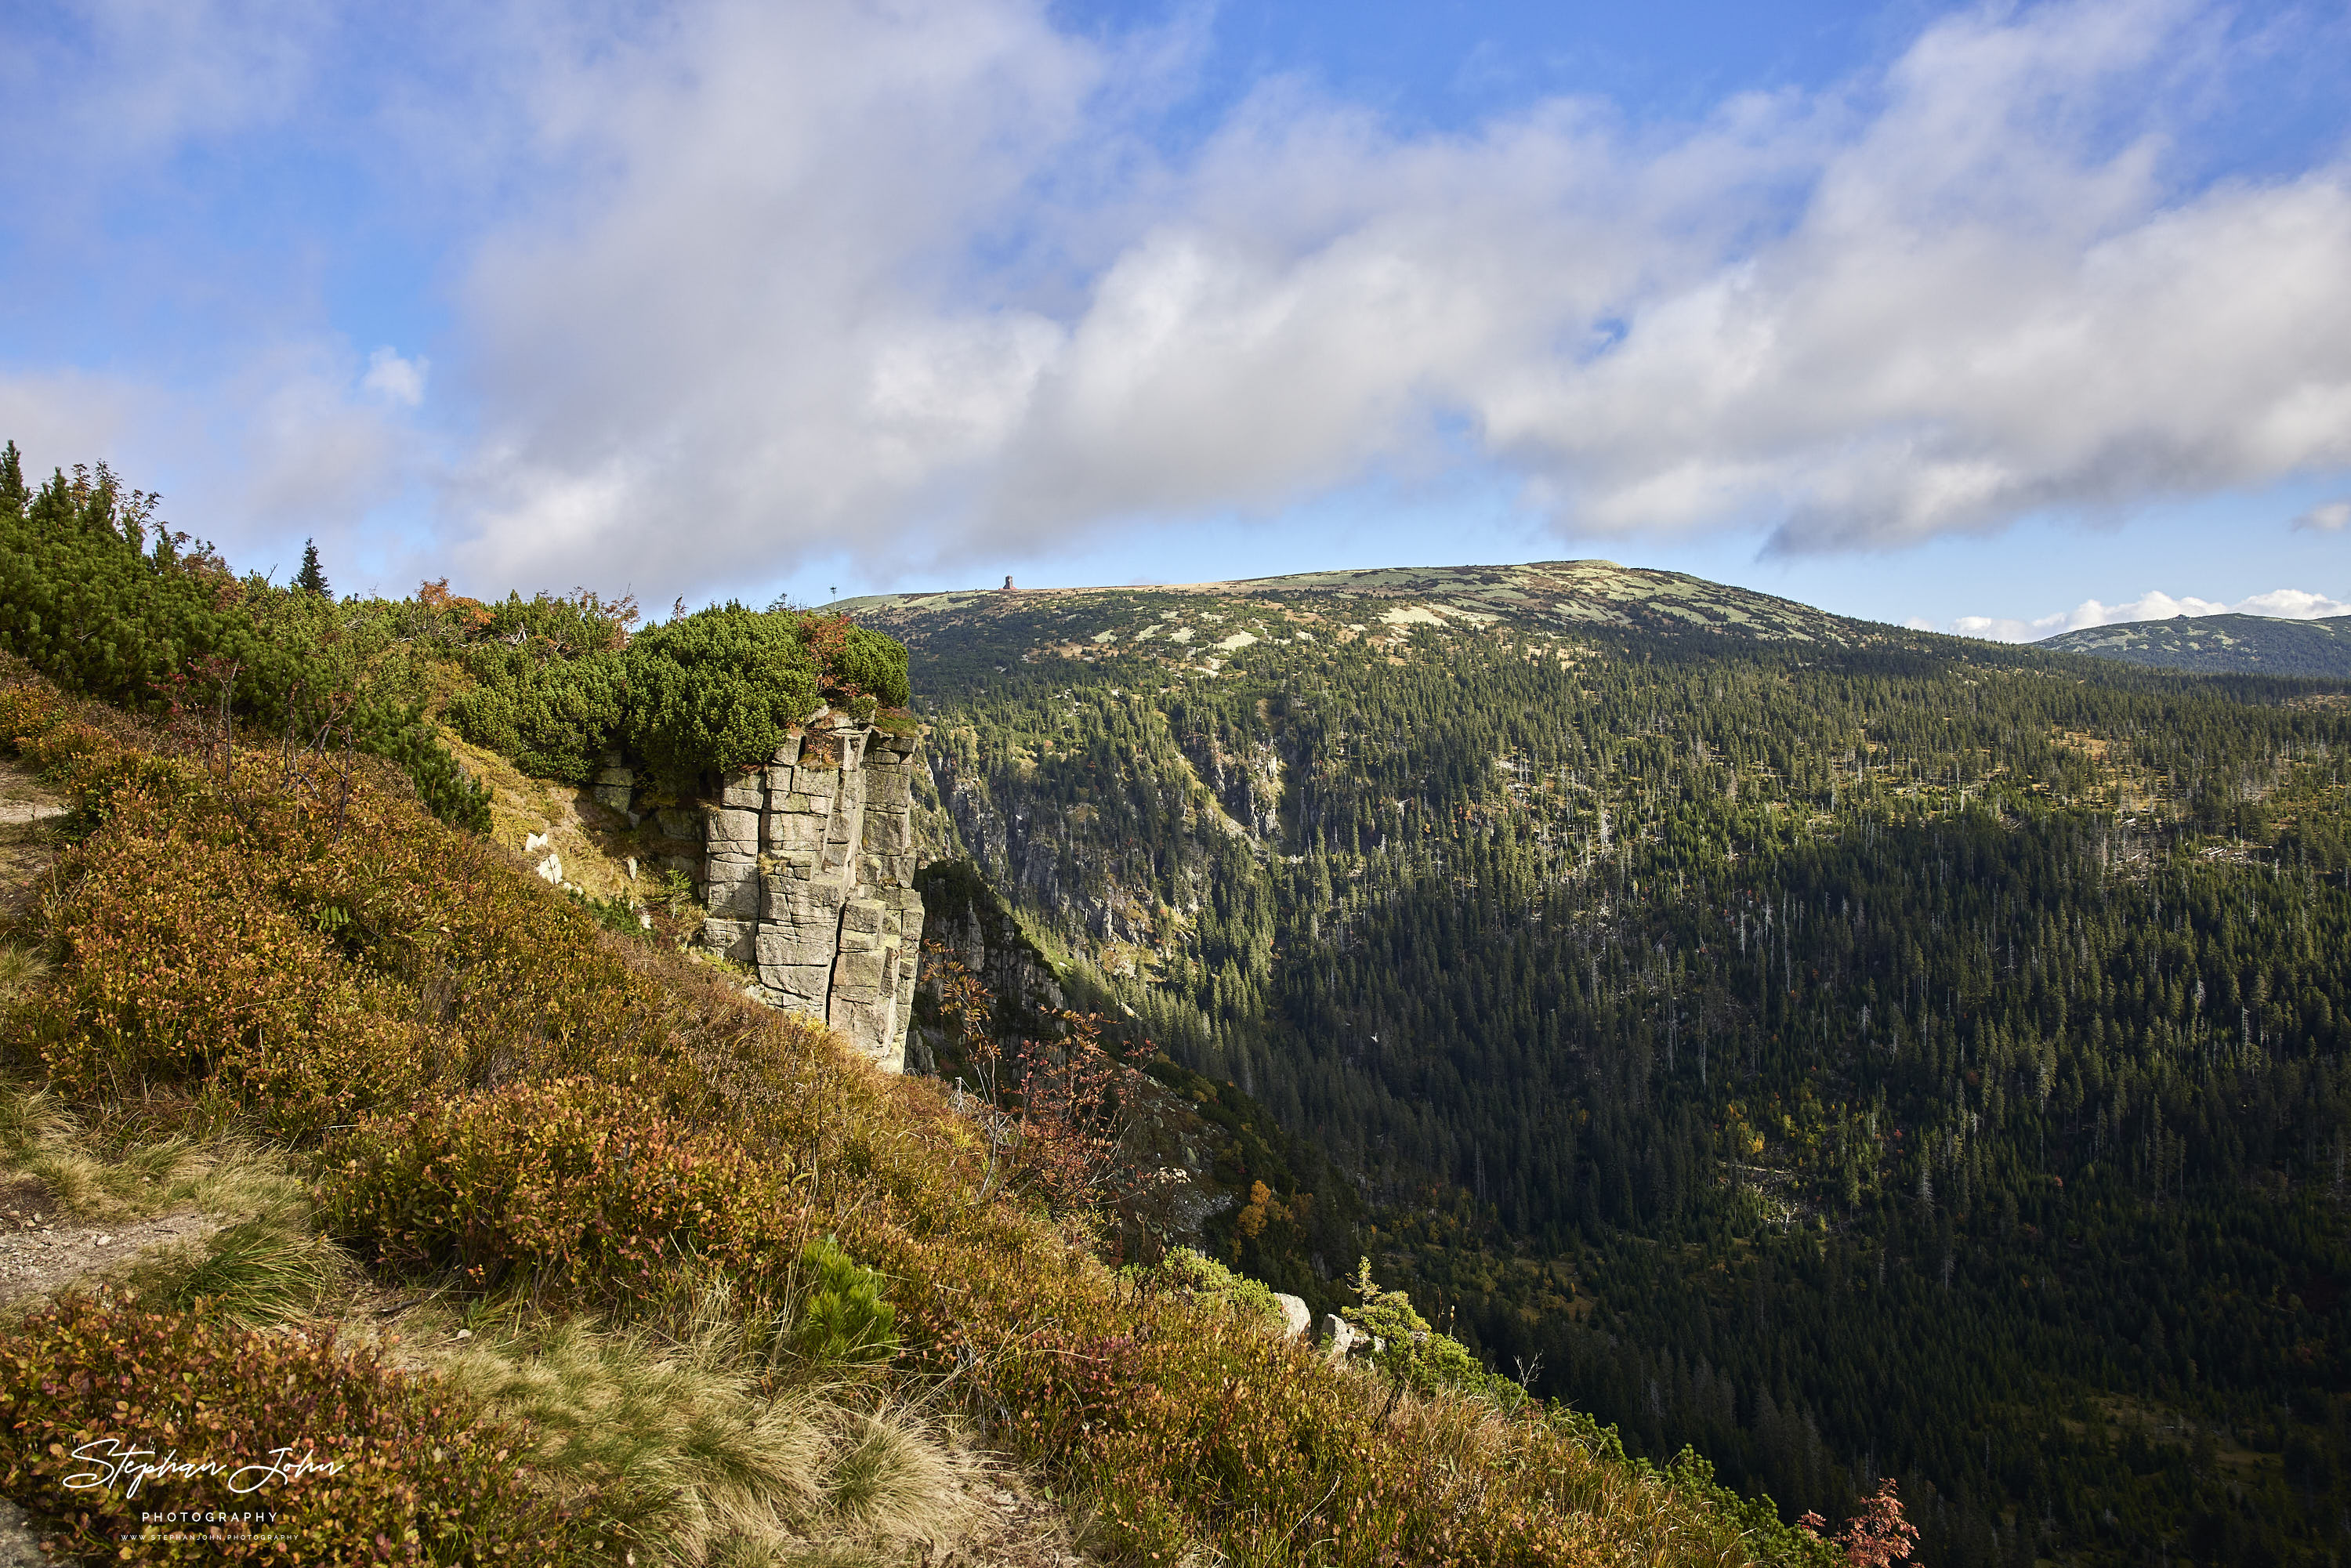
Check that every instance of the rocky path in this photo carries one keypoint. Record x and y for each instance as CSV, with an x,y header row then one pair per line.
x,y
25,799
27,844
41,1252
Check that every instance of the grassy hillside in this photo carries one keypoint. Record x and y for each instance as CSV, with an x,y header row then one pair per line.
x,y
1848,1049
2222,644
515,1236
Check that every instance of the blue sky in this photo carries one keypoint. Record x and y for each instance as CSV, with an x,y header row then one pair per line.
x,y
1997,318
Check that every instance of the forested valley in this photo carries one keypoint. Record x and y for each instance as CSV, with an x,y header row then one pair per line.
x,y
1852,1053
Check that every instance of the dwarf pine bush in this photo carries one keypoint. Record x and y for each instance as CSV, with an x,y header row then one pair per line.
x,y
1414,1353
101,597
843,1317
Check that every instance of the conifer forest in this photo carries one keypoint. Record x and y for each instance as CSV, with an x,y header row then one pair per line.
x,y
1849,1051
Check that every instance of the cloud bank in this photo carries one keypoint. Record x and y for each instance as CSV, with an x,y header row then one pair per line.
x,y
933,282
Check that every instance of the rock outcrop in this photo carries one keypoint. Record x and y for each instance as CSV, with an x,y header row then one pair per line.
x,y
806,869
808,874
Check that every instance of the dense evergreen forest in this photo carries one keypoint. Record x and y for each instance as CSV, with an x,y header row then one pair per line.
x,y
1869,1054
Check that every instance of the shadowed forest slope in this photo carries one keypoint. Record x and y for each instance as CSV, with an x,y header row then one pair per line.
x,y
1852,1051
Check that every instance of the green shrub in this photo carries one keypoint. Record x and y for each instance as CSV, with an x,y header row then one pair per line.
x,y
582,1186
553,717
1414,1353
409,1473
1197,1272
101,599
867,663
105,603
843,1316
716,690
575,626
442,786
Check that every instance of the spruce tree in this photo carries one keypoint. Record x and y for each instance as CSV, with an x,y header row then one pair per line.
x,y
312,579
12,482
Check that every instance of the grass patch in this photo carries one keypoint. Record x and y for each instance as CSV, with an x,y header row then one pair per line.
x,y
105,1179
248,1275
694,1445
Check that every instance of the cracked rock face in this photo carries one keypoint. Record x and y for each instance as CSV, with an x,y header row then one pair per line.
x,y
808,874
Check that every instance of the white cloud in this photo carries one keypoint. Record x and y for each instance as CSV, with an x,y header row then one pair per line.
x,y
745,285
396,381
765,329
2281,604
750,331
311,456
60,418
291,440
147,73
2329,518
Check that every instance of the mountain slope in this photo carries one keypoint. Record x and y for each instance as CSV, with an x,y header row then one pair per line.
x,y
1857,1053
2235,645
1379,606
727,1292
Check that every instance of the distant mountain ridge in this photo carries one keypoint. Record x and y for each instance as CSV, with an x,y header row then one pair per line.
x,y
1563,594
2220,644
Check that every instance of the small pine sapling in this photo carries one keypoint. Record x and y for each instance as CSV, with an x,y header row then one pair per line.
x,y
844,1318
312,577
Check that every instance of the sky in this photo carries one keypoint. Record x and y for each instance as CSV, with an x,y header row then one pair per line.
x,y
2000,319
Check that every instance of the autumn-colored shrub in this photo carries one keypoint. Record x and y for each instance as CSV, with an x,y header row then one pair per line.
x,y
583,1186
184,969
1186,1424
307,941
268,1447
1876,1536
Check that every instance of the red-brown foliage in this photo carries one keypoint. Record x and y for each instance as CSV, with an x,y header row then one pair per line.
x,y
407,1474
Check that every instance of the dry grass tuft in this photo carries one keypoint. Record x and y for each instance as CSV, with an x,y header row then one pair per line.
x,y
690,1449
103,1181
252,1274
21,970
